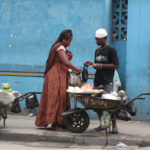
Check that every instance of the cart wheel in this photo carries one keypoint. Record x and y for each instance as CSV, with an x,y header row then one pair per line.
x,y
77,122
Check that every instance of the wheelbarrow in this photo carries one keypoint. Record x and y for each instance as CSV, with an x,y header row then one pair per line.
x,y
6,100
77,119
9,101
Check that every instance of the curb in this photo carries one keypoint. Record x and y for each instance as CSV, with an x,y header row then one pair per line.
x,y
77,139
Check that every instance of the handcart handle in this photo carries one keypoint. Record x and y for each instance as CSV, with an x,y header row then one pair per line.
x,y
26,95
137,97
143,94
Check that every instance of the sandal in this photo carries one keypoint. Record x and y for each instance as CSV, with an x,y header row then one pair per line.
x,y
114,131
99,128
56,128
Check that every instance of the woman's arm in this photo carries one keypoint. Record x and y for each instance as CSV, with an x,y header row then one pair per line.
x,y
66,62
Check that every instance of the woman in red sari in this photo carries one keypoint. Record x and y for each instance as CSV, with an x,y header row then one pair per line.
x,y
54,98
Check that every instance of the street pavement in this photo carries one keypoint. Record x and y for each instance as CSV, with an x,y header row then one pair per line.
x,y
13,145
22,128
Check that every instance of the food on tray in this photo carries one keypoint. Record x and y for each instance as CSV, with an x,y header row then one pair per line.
x,y
89,88
74,89
84,88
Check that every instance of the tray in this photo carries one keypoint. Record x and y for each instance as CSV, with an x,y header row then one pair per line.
x,y
85,93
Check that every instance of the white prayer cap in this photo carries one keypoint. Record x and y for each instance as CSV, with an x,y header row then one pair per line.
x,y
101,33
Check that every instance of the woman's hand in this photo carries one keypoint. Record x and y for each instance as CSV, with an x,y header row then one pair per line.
x,y
88,63
69,54
78,70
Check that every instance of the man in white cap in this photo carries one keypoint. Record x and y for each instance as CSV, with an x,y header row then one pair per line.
x,y
106,61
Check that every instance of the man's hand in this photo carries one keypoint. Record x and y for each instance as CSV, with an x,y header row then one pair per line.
x,y
94,66
88,63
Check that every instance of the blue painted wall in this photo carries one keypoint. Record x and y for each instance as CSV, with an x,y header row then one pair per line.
x,y
121,52
138,54
28,28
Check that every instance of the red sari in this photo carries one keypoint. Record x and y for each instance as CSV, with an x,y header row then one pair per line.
x,y
54,98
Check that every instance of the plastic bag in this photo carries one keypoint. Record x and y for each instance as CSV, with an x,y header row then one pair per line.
x,y
75,79
116,82
131,108
6,87
32,101
105,120
15,108
84,74
120,144
110,96
6,98
123,115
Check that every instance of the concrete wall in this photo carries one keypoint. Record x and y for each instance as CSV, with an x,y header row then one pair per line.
x,y
138,54
29,27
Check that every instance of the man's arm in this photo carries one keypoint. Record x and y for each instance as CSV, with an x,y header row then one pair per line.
x,y
105,66
114,62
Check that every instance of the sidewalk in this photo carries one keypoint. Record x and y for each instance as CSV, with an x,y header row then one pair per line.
x,y
22,128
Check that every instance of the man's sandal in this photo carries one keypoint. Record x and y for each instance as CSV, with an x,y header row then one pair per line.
x,y
99,128
114,131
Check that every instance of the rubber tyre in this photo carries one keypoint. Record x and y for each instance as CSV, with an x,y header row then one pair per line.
x,y
77,122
